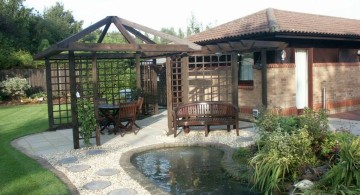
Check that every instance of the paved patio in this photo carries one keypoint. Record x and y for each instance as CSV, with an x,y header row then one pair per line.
x,y
46,147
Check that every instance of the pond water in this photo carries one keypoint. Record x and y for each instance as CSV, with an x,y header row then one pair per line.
x,y
188,170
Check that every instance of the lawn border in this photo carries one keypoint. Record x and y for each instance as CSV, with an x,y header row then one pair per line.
x,y
44,163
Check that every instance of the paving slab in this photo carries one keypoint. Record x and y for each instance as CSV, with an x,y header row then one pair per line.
x,y
97,185
79,168
68,160
107,172
123,191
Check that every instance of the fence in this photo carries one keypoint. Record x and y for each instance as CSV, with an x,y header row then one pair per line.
x,y
35,77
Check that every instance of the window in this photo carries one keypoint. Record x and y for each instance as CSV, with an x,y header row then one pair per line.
x,y
246,62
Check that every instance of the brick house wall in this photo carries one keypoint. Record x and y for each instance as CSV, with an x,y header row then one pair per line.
x,y
342,86
249,97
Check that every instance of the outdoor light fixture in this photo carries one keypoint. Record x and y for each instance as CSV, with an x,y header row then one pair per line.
x,y
283,55
358,52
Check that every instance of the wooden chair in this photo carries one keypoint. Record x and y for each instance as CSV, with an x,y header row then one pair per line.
x,y
127,114
140,102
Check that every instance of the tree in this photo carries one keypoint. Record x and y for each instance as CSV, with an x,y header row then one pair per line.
x,y
14,33
58,24
194,26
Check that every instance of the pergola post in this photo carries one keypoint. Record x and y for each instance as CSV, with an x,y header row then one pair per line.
x,y
154,88
96,97
235,78
49,94
74,114
169,95
138,72
264,78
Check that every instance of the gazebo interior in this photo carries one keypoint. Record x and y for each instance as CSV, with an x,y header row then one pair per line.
x,y
165,74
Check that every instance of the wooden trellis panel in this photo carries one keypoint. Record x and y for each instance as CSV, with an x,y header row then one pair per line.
x,y
176,71
60,85
210,78
148,77
113,76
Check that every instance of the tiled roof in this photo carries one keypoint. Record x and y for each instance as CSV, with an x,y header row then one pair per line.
x,y
273,20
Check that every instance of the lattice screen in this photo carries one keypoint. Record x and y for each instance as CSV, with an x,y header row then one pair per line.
x,y
60,84
116,83
176,81
210,78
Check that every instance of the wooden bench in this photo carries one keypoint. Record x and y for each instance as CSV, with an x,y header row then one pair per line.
x,y
205,113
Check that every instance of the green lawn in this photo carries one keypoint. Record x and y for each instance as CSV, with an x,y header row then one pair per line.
x,y
20,174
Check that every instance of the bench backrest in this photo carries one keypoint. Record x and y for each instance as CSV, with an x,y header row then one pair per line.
x,y
206,109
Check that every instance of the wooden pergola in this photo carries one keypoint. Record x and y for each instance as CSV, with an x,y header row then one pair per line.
x,y
193,72
70,50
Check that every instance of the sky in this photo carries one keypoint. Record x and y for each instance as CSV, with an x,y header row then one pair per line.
x,y
159,14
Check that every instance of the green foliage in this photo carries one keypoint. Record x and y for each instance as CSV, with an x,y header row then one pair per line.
x,y
14,87
344,177
242,155
24,32
317,124
21,174
87,119
22,59
59,23
287,144
330,146
281,157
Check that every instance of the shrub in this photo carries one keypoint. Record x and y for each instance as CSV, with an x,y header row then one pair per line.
x,y
281,157
344,176
87,119
317,124
15,87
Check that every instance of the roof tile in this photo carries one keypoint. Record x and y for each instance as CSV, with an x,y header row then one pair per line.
x,y
284,21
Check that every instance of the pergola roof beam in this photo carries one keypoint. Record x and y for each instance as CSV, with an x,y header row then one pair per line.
x,y
103,33
139,35
160,34
125,47
123,31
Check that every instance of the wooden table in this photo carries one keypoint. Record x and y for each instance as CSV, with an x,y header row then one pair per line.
x,y
109,111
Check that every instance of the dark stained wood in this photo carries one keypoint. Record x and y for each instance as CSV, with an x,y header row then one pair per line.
x,y
125,47
154,87
49,94
206,113
235,75
74,115
169,96
138,76
103,33
123,31
310,77
54,49
160,34
243,45
139,35
96,98
264,78
185,76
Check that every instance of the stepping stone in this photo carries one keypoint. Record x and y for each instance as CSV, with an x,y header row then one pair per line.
x,y
79,168
123,191
95,152
67,160
107,172
97,185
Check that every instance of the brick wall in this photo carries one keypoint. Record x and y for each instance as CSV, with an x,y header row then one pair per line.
x,y
250,97
342,86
